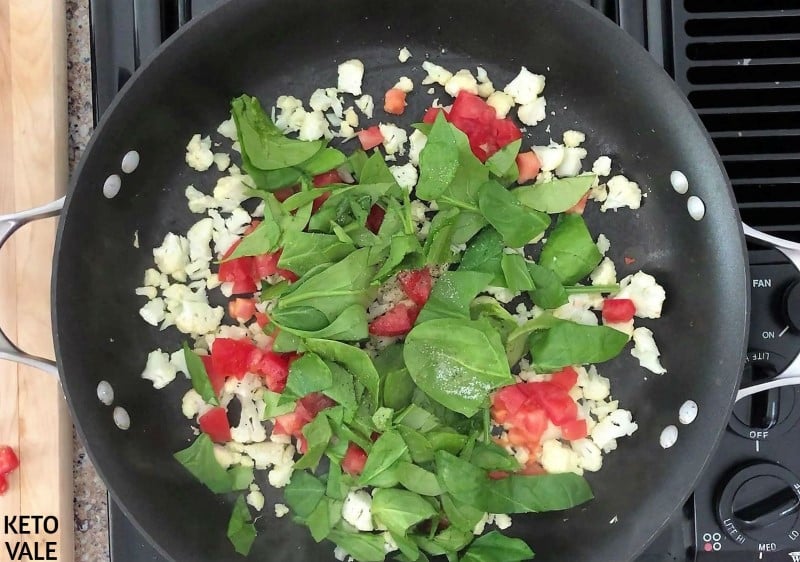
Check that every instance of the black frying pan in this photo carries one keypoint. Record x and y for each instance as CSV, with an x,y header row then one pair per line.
x,y
598,81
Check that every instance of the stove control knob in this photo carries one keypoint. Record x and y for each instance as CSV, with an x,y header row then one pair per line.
x,y
791,305
759,506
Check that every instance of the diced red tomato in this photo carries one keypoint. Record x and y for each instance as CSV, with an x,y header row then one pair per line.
x,y
579,207
215,424
498,474
375,218
478,120
533,422
575,429
528,165
312,404
275,369
354,460
217,379
237,271
629,260
416,284
288,424
396,322
332,176
3,485
265,265
618,310
284,193
231,357
302,444
431,113
566,378
505,132
558,404
9,461
370,138
510,398
394,101
533,468
241,309
261,318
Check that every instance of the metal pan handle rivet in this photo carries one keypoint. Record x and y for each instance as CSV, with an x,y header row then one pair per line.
x,y
9,224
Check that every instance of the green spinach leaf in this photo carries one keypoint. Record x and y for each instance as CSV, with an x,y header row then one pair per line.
x,y
262,240
318,434
241,531
504,160
515,271
456,362
548,291
304,250
323,161
397,388
386,452
197,372
461,515
355,360
527,494
303,493
308,374
496,547
319,522
485,254
452,294
491,456
398,510
570,251
555,196
199,459
517,224
438,161
568,343
364,547
418,480
461,479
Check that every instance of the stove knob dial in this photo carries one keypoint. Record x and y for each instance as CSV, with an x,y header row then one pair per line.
x,y
759,506
791,305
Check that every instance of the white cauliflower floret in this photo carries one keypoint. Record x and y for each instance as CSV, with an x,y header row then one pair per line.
x,y
198,153
149,292
577,310
153,312
481,525
228,129
404,55
534,112
152,277
463,80
267,453
193,405
417,140
351,74
558,458
230,191
190,310
573,138
248,390
289,107
366,104
603,243
502,294
357,510
646,351
199,238
172,256
501,102
394,138
602,166
256,499
624,327
406,175
605,273
571,164
502,521
281,510
404,84
199,202
647,295
281,475
158,369
324,99
314,127
178,358
226,457
591,457
222,161
436,74
618,423
622,193
550,157
595,386
525,87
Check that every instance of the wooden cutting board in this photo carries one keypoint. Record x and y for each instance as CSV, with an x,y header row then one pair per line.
x,y
33,170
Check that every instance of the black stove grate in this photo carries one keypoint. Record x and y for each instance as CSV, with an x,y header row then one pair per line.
x,y
740,68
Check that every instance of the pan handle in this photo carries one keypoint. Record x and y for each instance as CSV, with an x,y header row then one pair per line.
x,y
8,225
791,375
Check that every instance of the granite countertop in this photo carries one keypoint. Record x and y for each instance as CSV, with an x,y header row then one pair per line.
x,y
90,501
